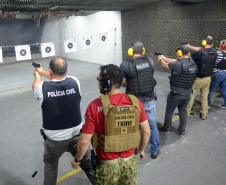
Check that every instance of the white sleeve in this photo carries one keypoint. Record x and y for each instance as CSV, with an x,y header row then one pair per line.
x,y
76,79
38,92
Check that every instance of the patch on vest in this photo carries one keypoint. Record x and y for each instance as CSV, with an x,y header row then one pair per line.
x,y
142,66
124,108
125,120
61,93
192,69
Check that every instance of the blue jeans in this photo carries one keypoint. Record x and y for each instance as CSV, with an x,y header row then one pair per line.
x,y
150,110
218,78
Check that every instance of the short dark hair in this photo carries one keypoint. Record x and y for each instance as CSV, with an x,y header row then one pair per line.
x,y
137,46
58,66
114,73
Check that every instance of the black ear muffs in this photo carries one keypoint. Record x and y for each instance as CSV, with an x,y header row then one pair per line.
x,y
105,81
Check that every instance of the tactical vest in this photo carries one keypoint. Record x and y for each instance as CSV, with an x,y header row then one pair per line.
x,y
188,75
222,63
140,80
61,104
208,63
121,126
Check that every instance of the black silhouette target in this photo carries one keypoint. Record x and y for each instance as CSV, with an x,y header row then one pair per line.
x,y
88,42
70,45
48,49
23,52
103,38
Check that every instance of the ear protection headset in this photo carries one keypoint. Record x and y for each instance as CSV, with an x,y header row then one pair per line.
x,y
179,53
105,81
206,41
130,50
222,46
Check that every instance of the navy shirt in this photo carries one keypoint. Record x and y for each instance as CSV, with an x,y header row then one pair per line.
x,y
125,72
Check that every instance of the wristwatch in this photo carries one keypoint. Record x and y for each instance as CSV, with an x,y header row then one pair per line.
x,y
77,160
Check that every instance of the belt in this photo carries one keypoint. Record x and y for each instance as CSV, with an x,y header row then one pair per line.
x,y
115,161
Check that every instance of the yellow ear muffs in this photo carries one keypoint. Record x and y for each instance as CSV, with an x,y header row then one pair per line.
x,y
130,52
143,52
179,53
204,43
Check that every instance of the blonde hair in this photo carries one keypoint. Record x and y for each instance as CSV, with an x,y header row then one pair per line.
x,y
222,42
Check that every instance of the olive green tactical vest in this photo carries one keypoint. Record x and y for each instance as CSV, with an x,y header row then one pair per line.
x,y
121,126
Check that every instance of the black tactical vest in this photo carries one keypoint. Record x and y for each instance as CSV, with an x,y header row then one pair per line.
x,y
140,80
61,104
222,63
188,75
208,63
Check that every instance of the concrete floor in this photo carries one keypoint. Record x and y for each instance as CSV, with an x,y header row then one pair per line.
x,y
196,159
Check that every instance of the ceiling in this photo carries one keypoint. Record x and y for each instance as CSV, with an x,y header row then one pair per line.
x,y
34,9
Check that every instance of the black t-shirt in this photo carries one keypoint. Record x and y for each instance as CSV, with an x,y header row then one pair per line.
x,y
176,68
125,72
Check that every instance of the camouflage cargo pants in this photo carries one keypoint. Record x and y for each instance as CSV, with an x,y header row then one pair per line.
x,y
117,174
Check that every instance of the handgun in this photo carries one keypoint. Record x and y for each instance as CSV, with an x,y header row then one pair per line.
x,y
157,54
36,64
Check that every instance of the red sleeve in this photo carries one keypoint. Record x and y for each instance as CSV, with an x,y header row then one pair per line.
x,y
143,116
89,126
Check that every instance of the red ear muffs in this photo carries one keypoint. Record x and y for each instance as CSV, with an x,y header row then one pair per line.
x,y
222,46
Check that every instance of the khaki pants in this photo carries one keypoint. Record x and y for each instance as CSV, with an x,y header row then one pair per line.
x,y
203,85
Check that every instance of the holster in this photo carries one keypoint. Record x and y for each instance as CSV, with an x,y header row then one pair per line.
x,y
43,134
94,160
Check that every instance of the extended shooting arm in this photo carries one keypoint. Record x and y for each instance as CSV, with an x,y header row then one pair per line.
x,y
168,60
194,47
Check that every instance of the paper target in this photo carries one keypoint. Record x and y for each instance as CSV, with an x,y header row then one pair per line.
x,y
1,60
87,42
69,45
23,52
103,37
47,49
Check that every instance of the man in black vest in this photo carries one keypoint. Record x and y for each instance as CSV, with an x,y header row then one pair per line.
x,y
205,58
183,74
138,78
219,76
60,101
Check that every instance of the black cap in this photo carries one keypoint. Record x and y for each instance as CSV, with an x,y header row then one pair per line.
x,y
184,49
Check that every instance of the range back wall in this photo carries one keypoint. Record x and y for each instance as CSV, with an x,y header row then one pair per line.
x,y
58,29
162,27
19,32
